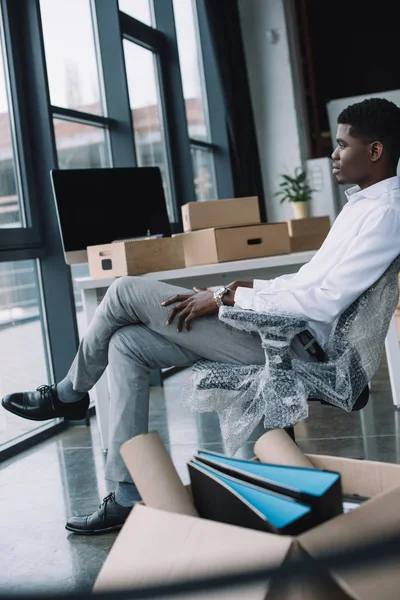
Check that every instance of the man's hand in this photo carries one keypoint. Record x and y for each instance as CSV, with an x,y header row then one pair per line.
x,y
190,307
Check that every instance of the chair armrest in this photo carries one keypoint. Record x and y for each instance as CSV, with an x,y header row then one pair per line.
x,y
262,322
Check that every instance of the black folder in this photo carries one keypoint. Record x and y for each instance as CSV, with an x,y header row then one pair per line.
x,y
220,497
317,488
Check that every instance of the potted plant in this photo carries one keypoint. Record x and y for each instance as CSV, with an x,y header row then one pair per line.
x,y
296,190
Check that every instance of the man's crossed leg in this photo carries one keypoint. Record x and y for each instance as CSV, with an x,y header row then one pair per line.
x,y
129,334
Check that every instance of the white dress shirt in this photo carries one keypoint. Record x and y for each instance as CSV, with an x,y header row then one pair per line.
x,y
362,243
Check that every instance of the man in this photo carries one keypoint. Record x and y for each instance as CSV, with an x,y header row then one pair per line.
x,y
135,329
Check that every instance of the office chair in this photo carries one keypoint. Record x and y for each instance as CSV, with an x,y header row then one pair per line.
x,y
278,391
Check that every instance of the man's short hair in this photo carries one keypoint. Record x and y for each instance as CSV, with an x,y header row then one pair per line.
x,y
375,120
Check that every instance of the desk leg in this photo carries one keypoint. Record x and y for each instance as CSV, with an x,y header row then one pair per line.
x,y
393,359
91,299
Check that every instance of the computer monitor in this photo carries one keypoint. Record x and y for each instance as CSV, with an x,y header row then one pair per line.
x,y
98,206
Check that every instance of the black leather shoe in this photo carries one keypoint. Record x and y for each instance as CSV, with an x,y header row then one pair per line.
x,y
44,404
110,516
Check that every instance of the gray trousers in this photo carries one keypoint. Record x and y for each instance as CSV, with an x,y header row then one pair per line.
x,y
129,335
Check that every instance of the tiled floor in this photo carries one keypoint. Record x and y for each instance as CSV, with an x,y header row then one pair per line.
x,y
65,476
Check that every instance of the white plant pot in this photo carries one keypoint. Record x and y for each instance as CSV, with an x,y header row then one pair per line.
x,y
300,210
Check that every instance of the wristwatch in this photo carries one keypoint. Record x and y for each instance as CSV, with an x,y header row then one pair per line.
x,y
219,294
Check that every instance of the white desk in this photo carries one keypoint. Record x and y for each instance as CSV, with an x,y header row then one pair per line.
x,y
93,291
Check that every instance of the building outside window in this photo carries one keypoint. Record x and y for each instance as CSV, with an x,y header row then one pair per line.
x,y
194,91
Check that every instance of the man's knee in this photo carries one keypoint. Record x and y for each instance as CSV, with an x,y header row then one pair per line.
x,y
122,292
125,341
121,284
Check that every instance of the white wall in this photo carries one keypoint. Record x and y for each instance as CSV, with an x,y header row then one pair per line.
x,y
274,86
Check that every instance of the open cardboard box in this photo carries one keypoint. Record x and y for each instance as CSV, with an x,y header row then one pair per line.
x,y
162,546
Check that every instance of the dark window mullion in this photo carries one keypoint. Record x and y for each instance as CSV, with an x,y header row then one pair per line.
x,y
55,274
140,32
78,116
174,108
203,144
109,39
216,111
28,236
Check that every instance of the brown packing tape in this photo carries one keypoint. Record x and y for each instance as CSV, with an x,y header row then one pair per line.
x,y
155,476
276,447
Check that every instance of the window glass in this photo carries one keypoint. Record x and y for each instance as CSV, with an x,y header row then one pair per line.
x,y
139,9
191,69
204,176
11,213
71,55
80,146
148,124
23,365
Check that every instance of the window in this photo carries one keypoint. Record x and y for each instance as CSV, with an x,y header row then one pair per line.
x,y
22,349
139,9
191,70
204,175
71,55
80,146
11,214
75,88
194,92
92,106
148,125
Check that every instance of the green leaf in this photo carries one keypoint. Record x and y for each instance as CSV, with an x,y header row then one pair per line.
x,y
295,189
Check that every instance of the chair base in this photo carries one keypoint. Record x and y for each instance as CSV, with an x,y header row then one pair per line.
x,y
359,404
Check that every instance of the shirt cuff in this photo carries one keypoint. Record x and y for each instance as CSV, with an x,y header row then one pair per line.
x,y
261,284
244,297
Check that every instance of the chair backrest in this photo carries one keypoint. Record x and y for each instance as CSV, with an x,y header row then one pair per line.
x,y
355,345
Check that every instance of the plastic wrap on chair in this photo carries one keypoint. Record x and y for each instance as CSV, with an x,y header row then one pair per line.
x,y
277,391
355,345
243,395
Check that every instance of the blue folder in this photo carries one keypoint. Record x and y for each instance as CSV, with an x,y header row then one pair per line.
x,y
317,488
220,497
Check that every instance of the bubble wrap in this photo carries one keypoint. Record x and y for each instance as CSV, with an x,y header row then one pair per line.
x,y
277,392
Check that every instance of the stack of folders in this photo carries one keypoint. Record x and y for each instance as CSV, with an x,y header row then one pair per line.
x,y
268,497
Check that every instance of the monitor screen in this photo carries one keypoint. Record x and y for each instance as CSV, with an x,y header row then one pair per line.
x,y
98,206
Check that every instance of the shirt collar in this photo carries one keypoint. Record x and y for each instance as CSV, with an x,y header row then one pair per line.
x,y
373,191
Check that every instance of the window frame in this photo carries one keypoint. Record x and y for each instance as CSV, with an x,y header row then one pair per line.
x,y
161,39
33,115
216,113
19,242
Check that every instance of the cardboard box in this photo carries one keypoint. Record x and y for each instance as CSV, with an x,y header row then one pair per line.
x,y
159,547
136,257
306,243
220,213
309,226
308,234
210,246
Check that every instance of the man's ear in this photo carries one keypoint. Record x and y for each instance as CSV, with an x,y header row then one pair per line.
x,y
375,149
